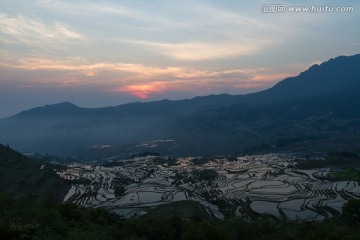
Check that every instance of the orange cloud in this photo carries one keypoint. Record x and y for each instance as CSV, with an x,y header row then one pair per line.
x,y
141,80
75,64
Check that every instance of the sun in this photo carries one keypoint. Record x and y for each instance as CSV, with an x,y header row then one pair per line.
x,y
142,91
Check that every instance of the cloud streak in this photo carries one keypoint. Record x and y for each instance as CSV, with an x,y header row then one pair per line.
x,y
23,30
144,81
200,51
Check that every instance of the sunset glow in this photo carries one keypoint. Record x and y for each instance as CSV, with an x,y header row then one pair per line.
x,y
141,91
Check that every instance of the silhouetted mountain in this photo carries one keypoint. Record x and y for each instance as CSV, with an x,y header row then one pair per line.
x,y
319,104
328,77
64,108
331,76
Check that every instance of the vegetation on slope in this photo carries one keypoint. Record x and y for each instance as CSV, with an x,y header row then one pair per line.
x,y
348,175
22,219
22,177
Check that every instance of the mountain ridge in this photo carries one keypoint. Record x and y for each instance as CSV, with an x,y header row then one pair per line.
x,y
334,70
198,125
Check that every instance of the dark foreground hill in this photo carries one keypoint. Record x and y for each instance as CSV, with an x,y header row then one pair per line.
x,y
21,177
20,219
319,108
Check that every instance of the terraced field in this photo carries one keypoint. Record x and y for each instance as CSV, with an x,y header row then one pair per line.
x,y
246,186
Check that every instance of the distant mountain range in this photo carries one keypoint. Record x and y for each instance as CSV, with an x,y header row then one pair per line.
x,y
318,109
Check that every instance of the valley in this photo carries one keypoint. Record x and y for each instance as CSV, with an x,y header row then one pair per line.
x,y
315,110
287,152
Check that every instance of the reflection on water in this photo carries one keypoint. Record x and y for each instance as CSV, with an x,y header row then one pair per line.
x,y
269,183
265,207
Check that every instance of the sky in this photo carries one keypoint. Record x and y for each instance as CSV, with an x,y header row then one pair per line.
x,y
105,53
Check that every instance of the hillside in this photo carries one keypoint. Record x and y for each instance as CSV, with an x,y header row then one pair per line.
x,y
337,74
21,177
26,220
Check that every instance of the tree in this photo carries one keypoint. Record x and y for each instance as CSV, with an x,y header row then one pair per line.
x,y
351,211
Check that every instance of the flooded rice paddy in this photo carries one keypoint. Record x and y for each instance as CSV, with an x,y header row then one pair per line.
x,y
268,184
